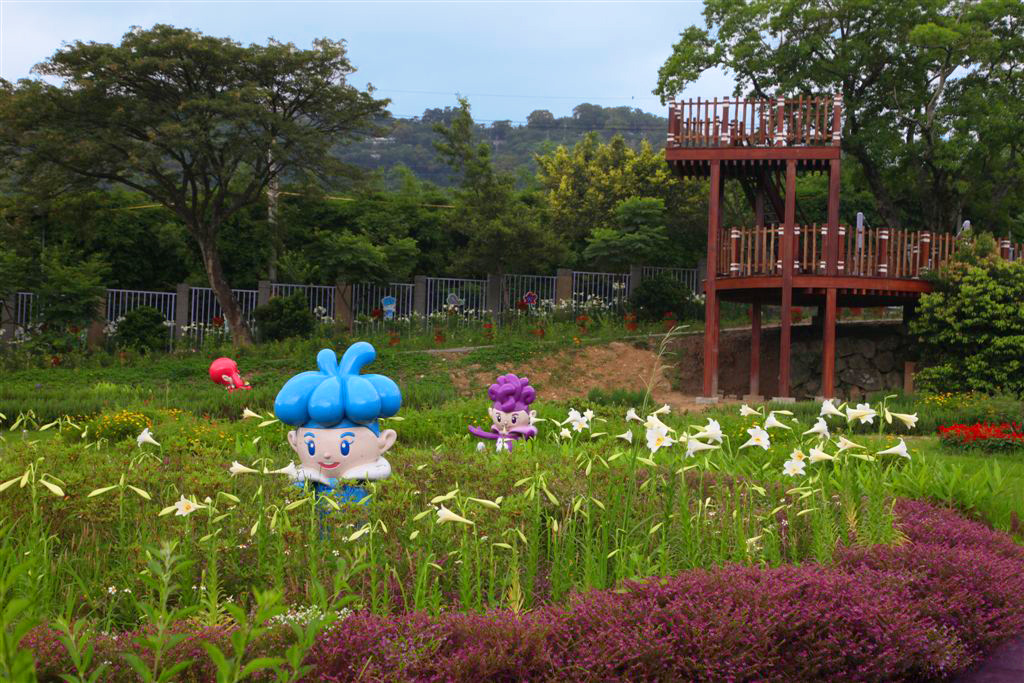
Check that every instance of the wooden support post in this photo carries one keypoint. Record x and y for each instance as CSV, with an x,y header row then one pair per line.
x,y
1004,249
882,255
734,252
755,352
831,244
788,225
924,254
710,294
828,358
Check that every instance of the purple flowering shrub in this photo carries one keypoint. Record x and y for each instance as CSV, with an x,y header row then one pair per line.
x,y
920,610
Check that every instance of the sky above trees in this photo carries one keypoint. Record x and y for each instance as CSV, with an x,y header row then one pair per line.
x,y
507,58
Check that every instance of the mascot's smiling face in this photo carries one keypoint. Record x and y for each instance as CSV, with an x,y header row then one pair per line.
x,y
334,451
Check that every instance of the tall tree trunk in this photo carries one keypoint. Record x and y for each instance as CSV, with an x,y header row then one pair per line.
x,y
272,196
240,333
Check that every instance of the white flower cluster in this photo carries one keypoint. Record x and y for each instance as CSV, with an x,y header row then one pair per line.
x,y
300,616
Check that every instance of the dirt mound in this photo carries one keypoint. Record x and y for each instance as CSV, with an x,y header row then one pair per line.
x,y
573,373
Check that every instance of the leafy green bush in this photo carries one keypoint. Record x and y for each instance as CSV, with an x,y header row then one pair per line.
x,y
971,328
284,317
655,297
142,329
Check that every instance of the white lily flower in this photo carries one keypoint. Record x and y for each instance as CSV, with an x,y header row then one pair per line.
x,y
445,515
663,410
248,413
910,421
694,446
818,455
239,468
588,414
564,434
288,469
845,444
578,421
820,428
480,446
146,437
747,411
657,439
798,454
631,415
863,412
793,468
758,437
185,507
899,449
653,422
828,409
773,421
626,436
712,431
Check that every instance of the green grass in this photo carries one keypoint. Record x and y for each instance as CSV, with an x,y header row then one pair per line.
x,y
573,514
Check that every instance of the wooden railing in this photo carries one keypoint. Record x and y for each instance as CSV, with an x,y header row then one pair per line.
x,y
804,121
871,252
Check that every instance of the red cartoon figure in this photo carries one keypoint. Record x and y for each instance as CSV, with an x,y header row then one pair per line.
x,y
225,371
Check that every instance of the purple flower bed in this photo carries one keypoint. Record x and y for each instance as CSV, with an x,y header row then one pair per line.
x,y
918,611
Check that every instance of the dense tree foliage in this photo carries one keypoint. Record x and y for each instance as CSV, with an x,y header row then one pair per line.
x,y
933,93
586,185
501,230
199,124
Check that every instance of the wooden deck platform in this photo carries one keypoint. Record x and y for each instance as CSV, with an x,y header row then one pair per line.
x,y
764,144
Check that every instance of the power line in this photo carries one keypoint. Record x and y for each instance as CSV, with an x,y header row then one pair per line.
x,y
511,96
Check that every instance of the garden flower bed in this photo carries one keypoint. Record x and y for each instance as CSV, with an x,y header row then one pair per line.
x,y
918,610
1007,436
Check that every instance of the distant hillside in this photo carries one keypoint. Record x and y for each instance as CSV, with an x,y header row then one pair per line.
x,y
410,141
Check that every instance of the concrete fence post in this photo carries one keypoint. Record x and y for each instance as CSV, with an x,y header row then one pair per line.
x,y
419,295
563,285
182,307
8,323
343,314
94,335
263,290
636,276
495,287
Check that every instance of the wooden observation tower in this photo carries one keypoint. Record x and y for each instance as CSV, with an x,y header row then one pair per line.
x,y
764,144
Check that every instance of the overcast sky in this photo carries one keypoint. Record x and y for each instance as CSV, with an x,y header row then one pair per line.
x,y
508,58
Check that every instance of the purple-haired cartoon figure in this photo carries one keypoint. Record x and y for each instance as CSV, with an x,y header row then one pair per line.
x,y
510,417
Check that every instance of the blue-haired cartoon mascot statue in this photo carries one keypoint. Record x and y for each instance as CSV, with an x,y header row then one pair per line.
x,y
336,411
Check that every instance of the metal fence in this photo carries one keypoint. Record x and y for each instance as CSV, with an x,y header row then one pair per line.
x,y
120,301
368,302
515,287
466,297
204,309
687,276
24,308
607,289
318,296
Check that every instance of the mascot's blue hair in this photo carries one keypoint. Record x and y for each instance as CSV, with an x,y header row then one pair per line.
x,y
336,395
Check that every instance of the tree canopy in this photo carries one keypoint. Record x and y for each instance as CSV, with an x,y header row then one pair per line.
x,y
197,123
933,93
